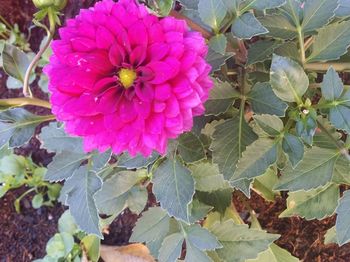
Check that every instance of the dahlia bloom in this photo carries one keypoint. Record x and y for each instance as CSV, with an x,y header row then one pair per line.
x,y
125,79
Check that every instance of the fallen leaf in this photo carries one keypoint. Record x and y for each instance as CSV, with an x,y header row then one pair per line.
x,y
129,253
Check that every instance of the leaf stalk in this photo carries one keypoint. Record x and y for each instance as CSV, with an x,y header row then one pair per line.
x,y
50,33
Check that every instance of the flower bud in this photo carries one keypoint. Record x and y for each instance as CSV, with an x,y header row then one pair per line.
x,y
57,4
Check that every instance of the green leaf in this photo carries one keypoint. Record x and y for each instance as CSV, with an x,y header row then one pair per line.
x,y
274,254
91,246
80,190
264,184
331,42
343,9
137,199
17,126
279,26
137,162
212,12
220,199
230,139
195,254
240,242
243,185
246,26
111,199
342,224
256,159
60,245
261,51
293,11
197,239
262,4
67,224
171,248
294,148
63,165
264,100
198,210
288,79
306,127
221,98
55,139
37,201
13,165
288,49
100,160
270,124
315,170
15,62
173,187
317,203
190,148
332,86
207,177
151,228
231,5
331,236
317,13
342,171
190,4
321,139
218,43
13,83
216,60
340,117
164,6
201,238
43,83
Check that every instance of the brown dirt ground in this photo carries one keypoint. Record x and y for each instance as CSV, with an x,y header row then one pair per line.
x,y
23,236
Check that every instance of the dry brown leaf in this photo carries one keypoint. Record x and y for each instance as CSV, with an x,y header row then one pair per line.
x,y
129,253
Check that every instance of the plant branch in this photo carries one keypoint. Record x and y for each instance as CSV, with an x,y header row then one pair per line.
x,y
24,101
339,67
205,33
50,33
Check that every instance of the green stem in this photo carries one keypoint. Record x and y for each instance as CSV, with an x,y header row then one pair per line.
x,y
343,150
18,200
302,45
24,101
50,33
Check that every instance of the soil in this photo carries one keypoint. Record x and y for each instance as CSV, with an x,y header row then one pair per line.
x,y
23,236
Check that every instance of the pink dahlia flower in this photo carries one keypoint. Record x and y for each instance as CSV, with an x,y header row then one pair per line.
x,y
123,78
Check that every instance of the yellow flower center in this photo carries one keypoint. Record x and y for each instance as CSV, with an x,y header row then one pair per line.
x,y
127,77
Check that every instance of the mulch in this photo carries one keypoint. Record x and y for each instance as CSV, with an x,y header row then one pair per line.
x,y
23,236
